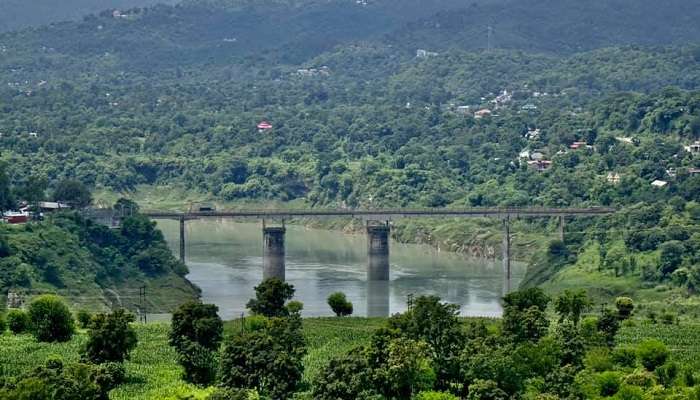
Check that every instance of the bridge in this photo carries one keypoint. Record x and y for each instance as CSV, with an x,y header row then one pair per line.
x,y
378,223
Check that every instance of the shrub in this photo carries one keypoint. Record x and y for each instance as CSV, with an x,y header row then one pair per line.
x,y
598,360
486,390
627,392
652,354
233,394
51,320
624,306
199,363
3,324
339,304
608,383
668,318
667,373
332,382
624,357
110,338
83,317
436,396
642,379
110,375
18,321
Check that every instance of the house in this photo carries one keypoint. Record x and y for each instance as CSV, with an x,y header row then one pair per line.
x,y
482,113
532,134
537,155
578,145
14,217
33,134
693,171
613,177
420,53
693,148
264,126
624,139
539,165
659,184
529,107
464,109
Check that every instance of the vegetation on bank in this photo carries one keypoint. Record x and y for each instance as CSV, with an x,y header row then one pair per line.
x,y
93,265
646,357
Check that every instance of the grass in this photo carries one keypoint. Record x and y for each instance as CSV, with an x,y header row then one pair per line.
x,y
153,372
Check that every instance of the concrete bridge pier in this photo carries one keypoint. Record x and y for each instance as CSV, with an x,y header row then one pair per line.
x,y
273,252
506,255
378,252
182,238
562,224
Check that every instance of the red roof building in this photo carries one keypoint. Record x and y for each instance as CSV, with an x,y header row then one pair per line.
x,y
264,125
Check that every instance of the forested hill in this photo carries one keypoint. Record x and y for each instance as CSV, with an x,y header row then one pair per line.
x,y
292,32
17,14
171,97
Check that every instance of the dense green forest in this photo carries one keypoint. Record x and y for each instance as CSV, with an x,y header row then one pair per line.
x,y
170,97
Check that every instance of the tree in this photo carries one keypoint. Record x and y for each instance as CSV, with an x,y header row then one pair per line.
x,y
486,390
339,304
270,297
196,333
571,304
347,377
126,207
72,192
608,324
110,338
671,256
7,200
51,320
652,354
33,190
438,325
524,316
408,370
268,359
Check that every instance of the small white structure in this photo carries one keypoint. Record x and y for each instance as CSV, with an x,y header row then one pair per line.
x,y
420,53
613,177
659,184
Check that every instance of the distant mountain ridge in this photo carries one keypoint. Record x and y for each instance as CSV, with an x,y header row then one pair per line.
x,y
18,14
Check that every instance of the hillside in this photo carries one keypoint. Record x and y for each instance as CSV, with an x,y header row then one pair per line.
x,y
170,97
94,267
16,14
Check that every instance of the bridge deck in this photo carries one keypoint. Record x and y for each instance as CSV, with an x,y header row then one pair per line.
x,y
387,214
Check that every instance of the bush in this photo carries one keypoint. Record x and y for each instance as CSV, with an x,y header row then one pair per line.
x,y
627,392
110,338
624,306
608,383
642,379
50,319
652,354
667,373
18,321
598,360
110,375
3,324
668,318
83,317
436,396
486,390
199,363
339,304
624,357
233,394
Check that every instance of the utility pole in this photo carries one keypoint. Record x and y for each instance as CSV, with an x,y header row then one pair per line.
x,y
488,39
142,304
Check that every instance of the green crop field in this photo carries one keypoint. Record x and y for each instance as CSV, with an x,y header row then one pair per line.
x,y
153,372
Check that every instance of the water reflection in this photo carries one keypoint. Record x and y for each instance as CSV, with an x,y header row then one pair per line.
x,y
225,261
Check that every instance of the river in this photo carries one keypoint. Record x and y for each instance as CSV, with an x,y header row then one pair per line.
x,y
225,261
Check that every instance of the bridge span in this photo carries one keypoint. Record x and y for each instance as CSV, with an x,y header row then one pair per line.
x,y
378,222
